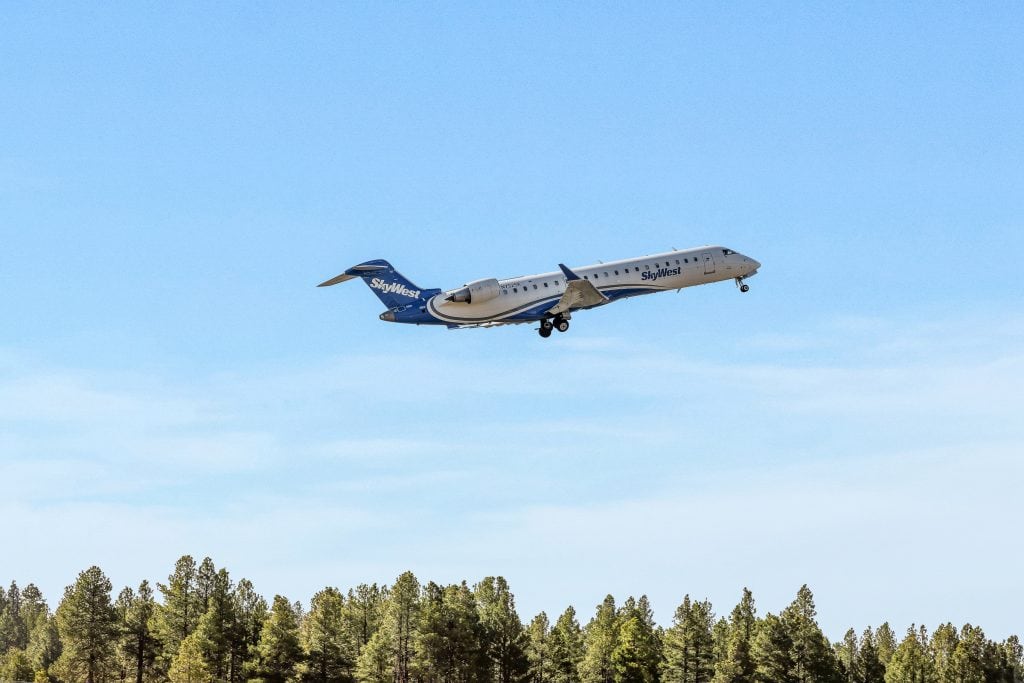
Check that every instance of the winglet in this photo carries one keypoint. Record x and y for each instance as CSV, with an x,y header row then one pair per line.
x,y
569,275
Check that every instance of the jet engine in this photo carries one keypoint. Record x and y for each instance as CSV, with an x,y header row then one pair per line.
x,y
476,292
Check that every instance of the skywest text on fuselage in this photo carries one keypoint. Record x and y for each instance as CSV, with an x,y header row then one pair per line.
x,y
661,272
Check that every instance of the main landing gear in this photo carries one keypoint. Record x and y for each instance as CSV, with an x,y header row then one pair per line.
x,y
557,323
744,287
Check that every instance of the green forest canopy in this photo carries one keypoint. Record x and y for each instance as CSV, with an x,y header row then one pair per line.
x,y
206,628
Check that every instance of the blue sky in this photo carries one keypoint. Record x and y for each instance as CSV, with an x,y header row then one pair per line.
x,y
175,180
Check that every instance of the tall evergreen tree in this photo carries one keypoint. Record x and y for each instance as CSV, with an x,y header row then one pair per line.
x,y
189,664
538,649
886,641
34,609
327,653
88,630
450,646
567,648
13,631
772,652
911,662
178,615
44,645
689,644
813,659
362,615
967,665
402,620
738,664
279,650
646,640
250,611
218,627
601,639
15,665
139,647
505,639
206,583
376,662
846,653
941,648
868,667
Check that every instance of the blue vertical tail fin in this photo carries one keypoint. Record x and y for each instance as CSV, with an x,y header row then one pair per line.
x,y
390,286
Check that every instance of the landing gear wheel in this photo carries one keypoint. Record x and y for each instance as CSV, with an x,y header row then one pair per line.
x,y
744,288
544,332
562,325
546,325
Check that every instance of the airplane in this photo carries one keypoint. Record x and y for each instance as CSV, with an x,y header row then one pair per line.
x,y
549,299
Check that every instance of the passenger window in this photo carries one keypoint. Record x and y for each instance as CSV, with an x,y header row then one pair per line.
x,y
677,262
596,276
616,272
606,273
535,286
545,284
515,289
646,267
637,269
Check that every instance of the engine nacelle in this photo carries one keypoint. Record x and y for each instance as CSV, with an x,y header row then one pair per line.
x,y
476,292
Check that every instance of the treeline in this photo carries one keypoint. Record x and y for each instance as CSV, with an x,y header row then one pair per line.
x,y
206,628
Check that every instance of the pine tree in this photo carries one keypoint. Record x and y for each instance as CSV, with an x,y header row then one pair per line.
x,y
250,610
377,660
911,662
772,652
738,664
88,630
179,614
450,644
601,639
139,647
689,644
323,637
886,641
567,648
813,659
218,627
15,665
13,631
505,639
44,645
538,649
846,655
402,620
967,663
868,667
206,584
362,615
33,608
189,664
279,649
942,646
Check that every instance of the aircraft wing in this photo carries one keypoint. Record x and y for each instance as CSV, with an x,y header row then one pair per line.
x,y
579,293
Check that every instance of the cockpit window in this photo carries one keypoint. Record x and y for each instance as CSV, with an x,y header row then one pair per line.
x,y
726,252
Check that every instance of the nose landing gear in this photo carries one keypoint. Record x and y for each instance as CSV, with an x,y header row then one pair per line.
x,y
744,287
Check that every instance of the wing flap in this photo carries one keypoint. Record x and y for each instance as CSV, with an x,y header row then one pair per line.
x,y
578,294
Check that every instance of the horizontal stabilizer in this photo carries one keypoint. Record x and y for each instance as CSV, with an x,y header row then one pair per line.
x,y
353,272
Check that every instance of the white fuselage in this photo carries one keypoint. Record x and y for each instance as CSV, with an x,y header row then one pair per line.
x,y
526,298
